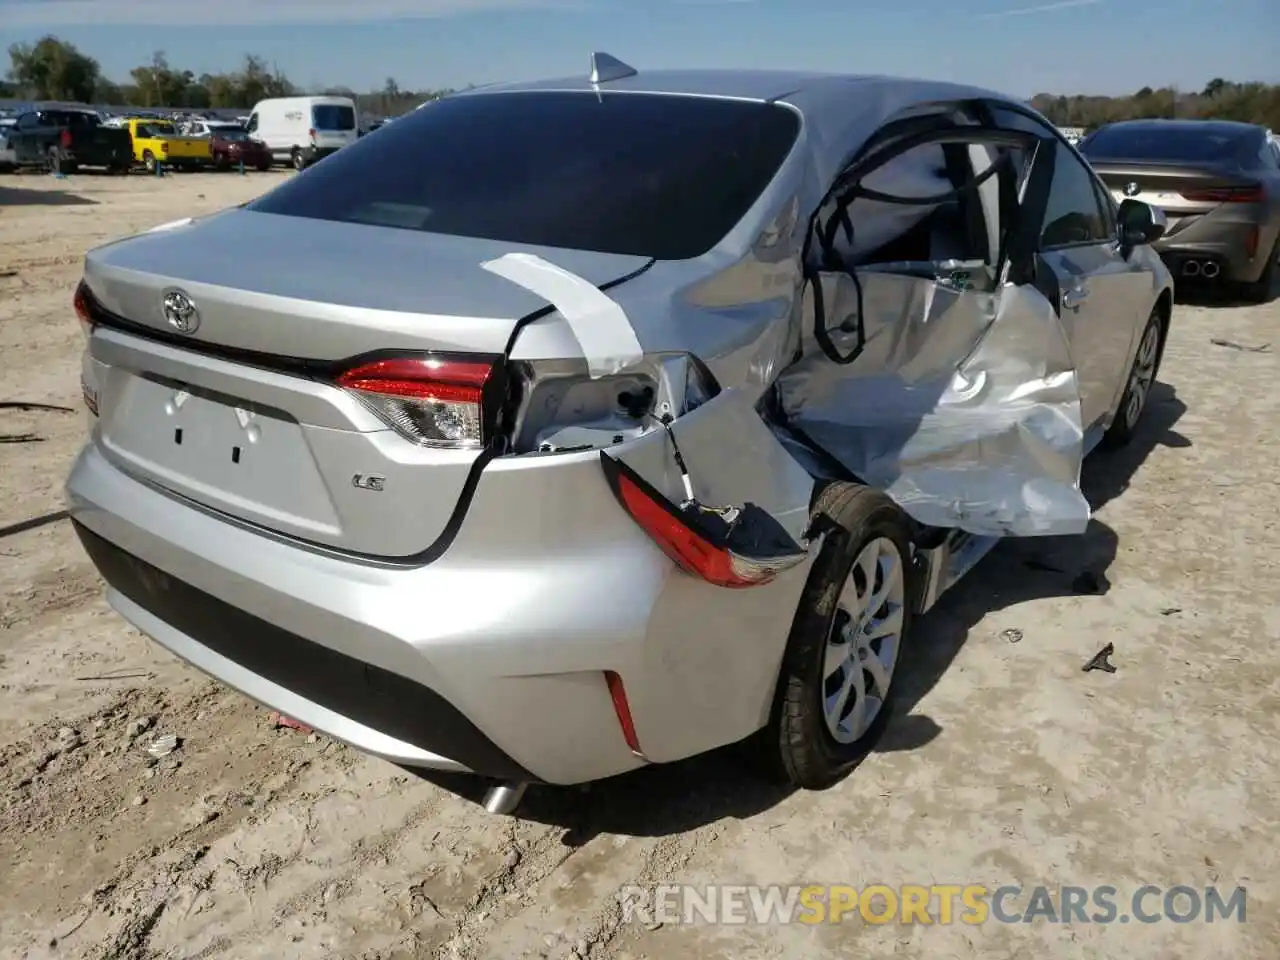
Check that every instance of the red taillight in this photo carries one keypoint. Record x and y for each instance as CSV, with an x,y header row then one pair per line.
x,y
313,135
65,139
1250,194
81,303
676,534
432,401
618,694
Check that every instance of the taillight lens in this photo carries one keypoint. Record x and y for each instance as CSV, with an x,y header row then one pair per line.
x,y
313,135
81,303
1250,194
431,401
677,534
65,138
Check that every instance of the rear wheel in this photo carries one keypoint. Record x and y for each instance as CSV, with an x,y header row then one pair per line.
x,y
149,161
1142,375
299,161
835,688
264,167
1263,289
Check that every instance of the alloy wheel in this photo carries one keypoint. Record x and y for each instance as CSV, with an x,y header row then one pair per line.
x,y
1144,371
866,635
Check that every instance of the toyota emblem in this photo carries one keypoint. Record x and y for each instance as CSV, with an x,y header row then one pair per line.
x,y
1132,189
180,312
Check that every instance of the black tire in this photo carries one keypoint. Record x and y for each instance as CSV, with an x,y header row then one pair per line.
x,y
149,161
299,161
797,746
1129,413
264,167
1264,288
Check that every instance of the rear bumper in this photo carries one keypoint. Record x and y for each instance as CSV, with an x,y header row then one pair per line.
x,y
488,660
1225,243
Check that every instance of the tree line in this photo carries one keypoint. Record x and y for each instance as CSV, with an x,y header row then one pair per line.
x,y
1219,100
53,69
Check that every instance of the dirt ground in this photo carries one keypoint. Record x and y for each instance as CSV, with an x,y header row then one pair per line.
x,y
1009,766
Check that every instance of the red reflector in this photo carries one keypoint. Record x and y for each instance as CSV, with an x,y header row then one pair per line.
x,y
686,547
1249,194
1251,241
620,706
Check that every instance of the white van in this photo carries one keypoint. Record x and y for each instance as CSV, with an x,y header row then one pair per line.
x,y
302,130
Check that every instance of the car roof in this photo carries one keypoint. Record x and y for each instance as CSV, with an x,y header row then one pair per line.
x,y
1208,127
792,86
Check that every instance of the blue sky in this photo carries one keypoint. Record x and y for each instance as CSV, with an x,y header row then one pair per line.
x,y
1018,46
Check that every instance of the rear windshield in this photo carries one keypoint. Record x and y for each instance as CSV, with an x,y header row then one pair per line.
x,y
331,116
68,118
643,174
1178,144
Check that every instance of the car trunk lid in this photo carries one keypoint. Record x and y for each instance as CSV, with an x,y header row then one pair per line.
x,y
1183,191
243,414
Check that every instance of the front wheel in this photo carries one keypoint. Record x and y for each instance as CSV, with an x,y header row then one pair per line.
x,y
1142,375
835,688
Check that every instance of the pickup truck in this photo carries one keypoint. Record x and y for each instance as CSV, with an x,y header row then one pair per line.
x,y
63,139
158,141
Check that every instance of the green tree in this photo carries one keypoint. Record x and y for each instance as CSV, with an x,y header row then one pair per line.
x,y
52,69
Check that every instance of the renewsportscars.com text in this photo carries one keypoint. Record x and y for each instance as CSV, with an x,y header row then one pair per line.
x,y
941,904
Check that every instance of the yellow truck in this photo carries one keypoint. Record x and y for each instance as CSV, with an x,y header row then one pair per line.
x,y
158,141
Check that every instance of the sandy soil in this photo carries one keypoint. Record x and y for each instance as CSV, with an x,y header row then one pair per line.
x,y
1010,765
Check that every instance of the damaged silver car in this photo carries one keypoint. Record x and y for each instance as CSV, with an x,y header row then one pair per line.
x,y
573,426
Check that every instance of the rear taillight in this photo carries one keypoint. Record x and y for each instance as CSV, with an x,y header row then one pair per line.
x,y
313,135
164,146
1250,194
432,401
65,139
81,303
679,534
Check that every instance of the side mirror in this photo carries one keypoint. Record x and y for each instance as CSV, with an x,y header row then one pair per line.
x,y
1139,223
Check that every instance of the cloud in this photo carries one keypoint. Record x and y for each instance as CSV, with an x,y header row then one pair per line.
x,y
66,13
1040,8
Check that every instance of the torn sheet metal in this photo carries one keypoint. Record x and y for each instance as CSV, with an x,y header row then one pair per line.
x,y
963,403
598,323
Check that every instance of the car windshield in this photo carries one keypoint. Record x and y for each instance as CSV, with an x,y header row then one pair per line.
x,y
1206,144
643,174
68,118
230,133
333,116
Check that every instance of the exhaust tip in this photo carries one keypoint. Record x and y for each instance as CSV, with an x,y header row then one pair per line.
x,y
1209,270
503,798
1191,268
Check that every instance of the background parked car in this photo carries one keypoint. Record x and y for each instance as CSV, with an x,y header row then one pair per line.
x,y
7,160
232,146
302,130
158,141
63,139
1218,183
